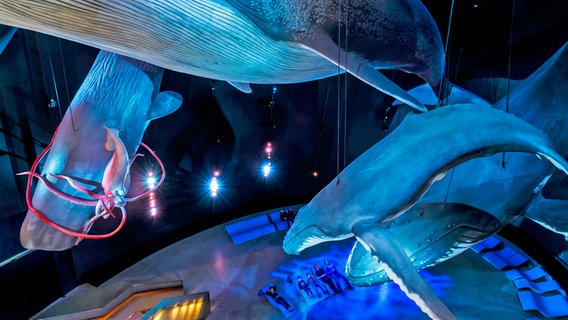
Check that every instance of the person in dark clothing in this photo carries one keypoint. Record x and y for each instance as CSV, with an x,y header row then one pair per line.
x,y
321,275
274,295
303,286
313,282
284,217
331,271
291,215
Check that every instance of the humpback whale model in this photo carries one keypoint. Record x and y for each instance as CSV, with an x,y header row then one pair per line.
x,y
404,221
504,188
80,181
251,41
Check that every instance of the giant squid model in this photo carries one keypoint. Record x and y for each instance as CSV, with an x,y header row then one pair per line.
x,y
86,174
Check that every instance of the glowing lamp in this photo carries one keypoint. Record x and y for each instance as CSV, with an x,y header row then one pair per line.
x,y
214,186
266,170
151,180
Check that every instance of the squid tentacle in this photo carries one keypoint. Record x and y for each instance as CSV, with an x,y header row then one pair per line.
x,y
59,193
78,187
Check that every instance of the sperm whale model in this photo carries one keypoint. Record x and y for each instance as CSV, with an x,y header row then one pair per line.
x,y
378,186
86,169
251,41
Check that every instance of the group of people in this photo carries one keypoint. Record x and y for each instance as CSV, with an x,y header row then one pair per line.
x,y
328,275
288,216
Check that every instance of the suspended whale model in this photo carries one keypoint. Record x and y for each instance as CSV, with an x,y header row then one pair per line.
x,y
86,170
473,201
391,176
503,187
251,41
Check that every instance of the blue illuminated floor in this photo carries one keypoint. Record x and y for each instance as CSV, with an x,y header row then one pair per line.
x,y
233,275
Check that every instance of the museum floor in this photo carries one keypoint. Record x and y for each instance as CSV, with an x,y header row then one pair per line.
x,y
233,274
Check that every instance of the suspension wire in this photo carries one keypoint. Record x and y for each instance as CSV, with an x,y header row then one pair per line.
x,y
320,128
44,80
54,82
345,88
509,70
66,86
448,33
338,86
510,56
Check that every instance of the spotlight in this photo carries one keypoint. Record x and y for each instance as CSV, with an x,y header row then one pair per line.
x,y
214,186
152,204
151,180
315,173
266,170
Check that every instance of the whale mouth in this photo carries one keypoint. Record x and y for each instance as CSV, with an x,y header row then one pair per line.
x,y
296,241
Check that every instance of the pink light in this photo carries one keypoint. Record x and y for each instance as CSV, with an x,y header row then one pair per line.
x,y
268,148
216,173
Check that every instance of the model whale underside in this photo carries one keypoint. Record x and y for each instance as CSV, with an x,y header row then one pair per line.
x,y
245,42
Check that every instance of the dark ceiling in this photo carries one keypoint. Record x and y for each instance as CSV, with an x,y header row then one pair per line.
x,y
316,126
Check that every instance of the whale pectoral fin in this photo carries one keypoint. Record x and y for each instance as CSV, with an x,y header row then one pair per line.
x,y
385,247
363,269
549,213
6,34
361,68
166,102
243,87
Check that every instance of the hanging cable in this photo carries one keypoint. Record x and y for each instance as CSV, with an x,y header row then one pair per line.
x,y
66,86
54,83
345,88
446,51
509,69
321,127
510,56
338,86
44,80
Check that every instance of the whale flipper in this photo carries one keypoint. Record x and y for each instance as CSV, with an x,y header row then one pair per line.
x,y
549,213
384,246
359,67
429,234
6,34
165,103
241,86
